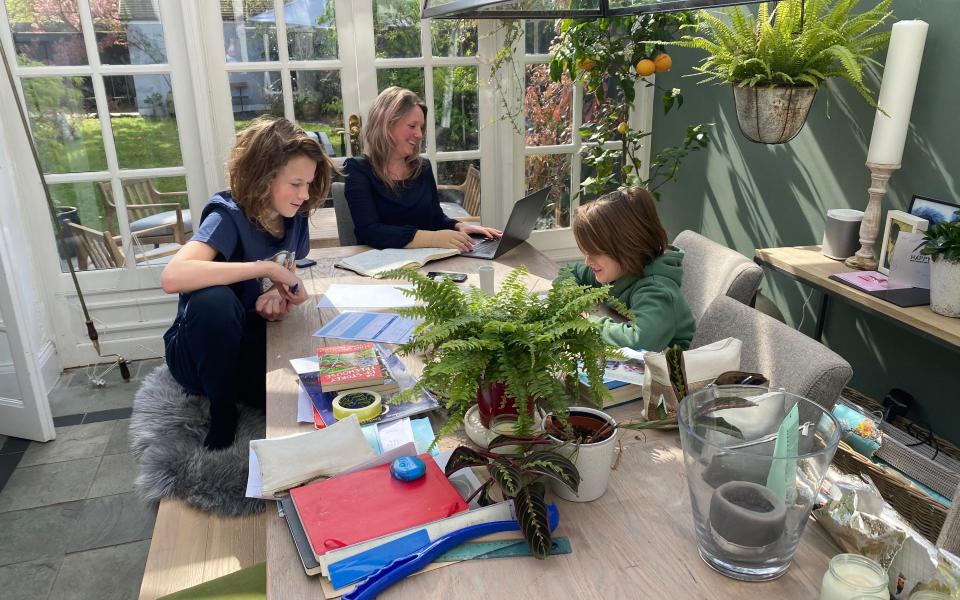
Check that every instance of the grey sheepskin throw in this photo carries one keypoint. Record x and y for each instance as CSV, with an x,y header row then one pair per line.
x,y
166,436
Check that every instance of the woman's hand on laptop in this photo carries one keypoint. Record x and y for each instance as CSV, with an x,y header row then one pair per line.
x,y
451,238
488,232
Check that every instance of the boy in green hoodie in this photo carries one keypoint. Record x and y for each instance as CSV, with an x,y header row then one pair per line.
x,y
625,245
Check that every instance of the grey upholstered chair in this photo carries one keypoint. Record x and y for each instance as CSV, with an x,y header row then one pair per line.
x,y
344,219
711,270
788,358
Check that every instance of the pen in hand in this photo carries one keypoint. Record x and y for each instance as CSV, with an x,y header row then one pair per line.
x,y
293,290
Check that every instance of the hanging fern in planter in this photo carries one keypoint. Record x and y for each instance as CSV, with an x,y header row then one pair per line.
x,y
806,43
533,345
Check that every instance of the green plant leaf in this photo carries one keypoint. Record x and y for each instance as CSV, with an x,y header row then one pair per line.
x,y
464,456
534,519
553,465
507,476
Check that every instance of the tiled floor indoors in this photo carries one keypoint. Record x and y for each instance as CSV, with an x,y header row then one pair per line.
x,y
71,526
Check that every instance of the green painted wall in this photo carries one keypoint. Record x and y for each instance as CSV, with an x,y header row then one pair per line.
x,y
749,196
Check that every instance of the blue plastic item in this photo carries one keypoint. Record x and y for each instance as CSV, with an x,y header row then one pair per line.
x,y
379,581
408,468
354,568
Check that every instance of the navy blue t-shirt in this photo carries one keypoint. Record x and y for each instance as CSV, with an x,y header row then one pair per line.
x,y
384,219
225,228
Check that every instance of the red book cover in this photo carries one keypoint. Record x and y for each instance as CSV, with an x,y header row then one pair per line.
x,y
317,419
348,366
366,504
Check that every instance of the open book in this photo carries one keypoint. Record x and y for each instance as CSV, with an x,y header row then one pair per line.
x,y
373,263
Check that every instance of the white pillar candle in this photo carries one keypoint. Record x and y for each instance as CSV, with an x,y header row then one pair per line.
x,y
900,74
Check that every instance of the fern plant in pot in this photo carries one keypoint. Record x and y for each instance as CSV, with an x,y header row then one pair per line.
x,y
777,60
513,348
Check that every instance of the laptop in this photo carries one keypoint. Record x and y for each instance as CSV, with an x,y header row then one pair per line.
x,y
522,219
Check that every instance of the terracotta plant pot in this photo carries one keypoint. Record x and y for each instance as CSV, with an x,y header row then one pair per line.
x,y
774,114
592,451
492,400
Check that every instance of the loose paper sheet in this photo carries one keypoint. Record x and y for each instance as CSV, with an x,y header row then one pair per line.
x,y
348,295
389,328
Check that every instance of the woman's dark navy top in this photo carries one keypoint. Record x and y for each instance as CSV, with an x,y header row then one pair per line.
x,y
384,219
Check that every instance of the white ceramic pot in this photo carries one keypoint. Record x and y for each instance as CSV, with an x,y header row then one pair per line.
x,y
945,287
594,462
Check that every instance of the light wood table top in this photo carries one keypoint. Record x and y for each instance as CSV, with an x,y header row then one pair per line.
x,y
809,265
636,540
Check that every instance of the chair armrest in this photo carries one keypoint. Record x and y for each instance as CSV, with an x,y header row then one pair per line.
x,y
467,219
162,195
161,206
450,186
156,253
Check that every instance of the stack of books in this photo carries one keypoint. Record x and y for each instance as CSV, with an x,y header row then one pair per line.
x,y
624,381
360,366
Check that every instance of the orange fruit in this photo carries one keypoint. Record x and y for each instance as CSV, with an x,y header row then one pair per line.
x,y
646,67
586,64
663,62
623,128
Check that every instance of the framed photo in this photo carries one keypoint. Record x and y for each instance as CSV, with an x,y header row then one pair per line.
x,y
934,211
897,222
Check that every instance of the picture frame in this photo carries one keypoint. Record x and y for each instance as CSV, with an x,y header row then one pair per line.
x,y
933,210
897,222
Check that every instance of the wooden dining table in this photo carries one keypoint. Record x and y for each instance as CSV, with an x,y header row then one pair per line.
x,y
636,541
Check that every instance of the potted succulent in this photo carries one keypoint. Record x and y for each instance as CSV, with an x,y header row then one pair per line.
x,y
777,60
942,244
509,346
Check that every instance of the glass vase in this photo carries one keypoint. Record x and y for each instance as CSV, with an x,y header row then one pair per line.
x,y
754,460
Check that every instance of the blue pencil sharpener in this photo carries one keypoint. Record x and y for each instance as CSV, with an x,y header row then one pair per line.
x,y
408,468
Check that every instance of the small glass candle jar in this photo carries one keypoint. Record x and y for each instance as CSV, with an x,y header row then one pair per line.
x,y
852,576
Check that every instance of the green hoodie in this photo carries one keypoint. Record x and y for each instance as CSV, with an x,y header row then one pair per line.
x,y
663,317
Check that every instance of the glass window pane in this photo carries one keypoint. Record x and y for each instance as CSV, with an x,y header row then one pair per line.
x,y
553,170
547,107
249,30
128,33
410,78
318,106
156,231
540,34
254,94
81,204
144,121
594,112
454,37
396,24
46,33
453,173
64,124
455,110
311,29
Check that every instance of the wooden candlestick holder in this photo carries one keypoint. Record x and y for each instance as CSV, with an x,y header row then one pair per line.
x,y
864,259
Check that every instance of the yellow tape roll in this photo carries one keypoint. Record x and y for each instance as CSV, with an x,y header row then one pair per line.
x,y
351,397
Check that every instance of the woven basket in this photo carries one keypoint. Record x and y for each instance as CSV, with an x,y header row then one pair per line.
x,y
937,468
925,514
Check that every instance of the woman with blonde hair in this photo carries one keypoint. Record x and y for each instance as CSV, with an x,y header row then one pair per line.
x,y
226,275
391,190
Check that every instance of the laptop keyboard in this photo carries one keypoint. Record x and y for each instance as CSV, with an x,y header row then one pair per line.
x,y
484,246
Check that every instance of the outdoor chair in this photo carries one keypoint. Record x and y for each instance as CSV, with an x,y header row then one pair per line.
x,y
788,358
155,217
470,192
341,209
103,250
711,270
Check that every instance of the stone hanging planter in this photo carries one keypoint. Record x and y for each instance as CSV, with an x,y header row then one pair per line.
x,y
945,286
772,114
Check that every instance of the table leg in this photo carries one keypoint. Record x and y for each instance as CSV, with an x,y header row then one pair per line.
x,y
821,317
